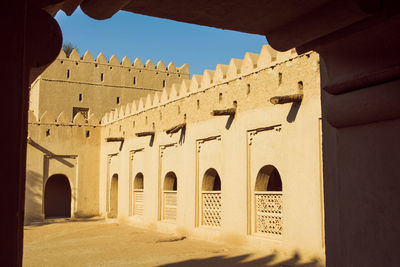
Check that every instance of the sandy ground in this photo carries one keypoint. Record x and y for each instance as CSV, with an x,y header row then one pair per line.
x,y
101,243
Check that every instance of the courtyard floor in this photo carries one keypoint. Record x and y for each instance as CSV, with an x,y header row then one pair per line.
x,y
105,243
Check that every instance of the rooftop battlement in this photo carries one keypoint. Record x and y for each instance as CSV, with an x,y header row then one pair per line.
x,y
223,74
113,72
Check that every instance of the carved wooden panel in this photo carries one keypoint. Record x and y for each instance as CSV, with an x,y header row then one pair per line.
x,y
268,212
211,208
138,199
169,205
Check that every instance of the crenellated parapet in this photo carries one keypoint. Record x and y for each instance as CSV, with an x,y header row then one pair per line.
x,y
113,72
251,64
61,119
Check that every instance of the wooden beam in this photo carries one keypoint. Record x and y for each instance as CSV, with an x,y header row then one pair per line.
x,y
286,99
144,133
224,112
176,128
115,139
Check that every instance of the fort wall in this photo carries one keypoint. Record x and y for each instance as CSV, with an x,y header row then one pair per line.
x,y
150,161
259,134
58,146
85,82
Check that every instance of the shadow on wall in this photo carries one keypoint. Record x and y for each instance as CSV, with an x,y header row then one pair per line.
x,y
229,122
48,152
33,195
182,136
223,261
294,109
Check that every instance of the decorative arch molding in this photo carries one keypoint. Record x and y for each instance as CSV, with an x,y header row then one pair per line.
x,y
136,186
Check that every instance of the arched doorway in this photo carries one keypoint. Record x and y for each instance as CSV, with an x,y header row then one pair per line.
x,y
57,197
211,199
170,197
138,194
268,201
114,197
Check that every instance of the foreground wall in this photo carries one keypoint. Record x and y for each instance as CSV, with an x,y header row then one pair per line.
x,y
260,134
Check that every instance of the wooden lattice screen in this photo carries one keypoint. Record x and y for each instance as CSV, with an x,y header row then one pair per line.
x,y
268,213
138,202
169,205
211,208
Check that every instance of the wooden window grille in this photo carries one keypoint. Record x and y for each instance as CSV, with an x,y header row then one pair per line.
x,y
211,208
138,202
169,205
268,207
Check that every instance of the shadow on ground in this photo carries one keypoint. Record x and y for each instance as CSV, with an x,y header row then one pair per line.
x,y
223,261
63,220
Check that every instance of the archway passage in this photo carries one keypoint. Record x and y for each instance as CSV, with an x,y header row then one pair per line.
x,y
114,197
211,199
268,201
170,196
57,197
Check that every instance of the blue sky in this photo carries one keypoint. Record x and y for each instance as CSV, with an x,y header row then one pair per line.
x,y
133,35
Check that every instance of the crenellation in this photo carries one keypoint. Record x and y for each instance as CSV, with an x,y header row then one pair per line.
x,y
128,109
149,65
88,57
62,119
121,112
74,55
138,63
220,73
149,102
126,62
79,119
185,88
93,120
225,96
250,62
160,66
84,82
183,70
234,68
114,60
46,118
173,93
208,79
101,58
196,83
171,67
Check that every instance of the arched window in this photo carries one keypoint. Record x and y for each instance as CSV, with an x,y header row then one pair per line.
x,y
169,199
268,201
138,195
211,199
113,212
57,197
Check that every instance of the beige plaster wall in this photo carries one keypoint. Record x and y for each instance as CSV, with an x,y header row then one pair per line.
x,y
58,88
237,149
61,148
